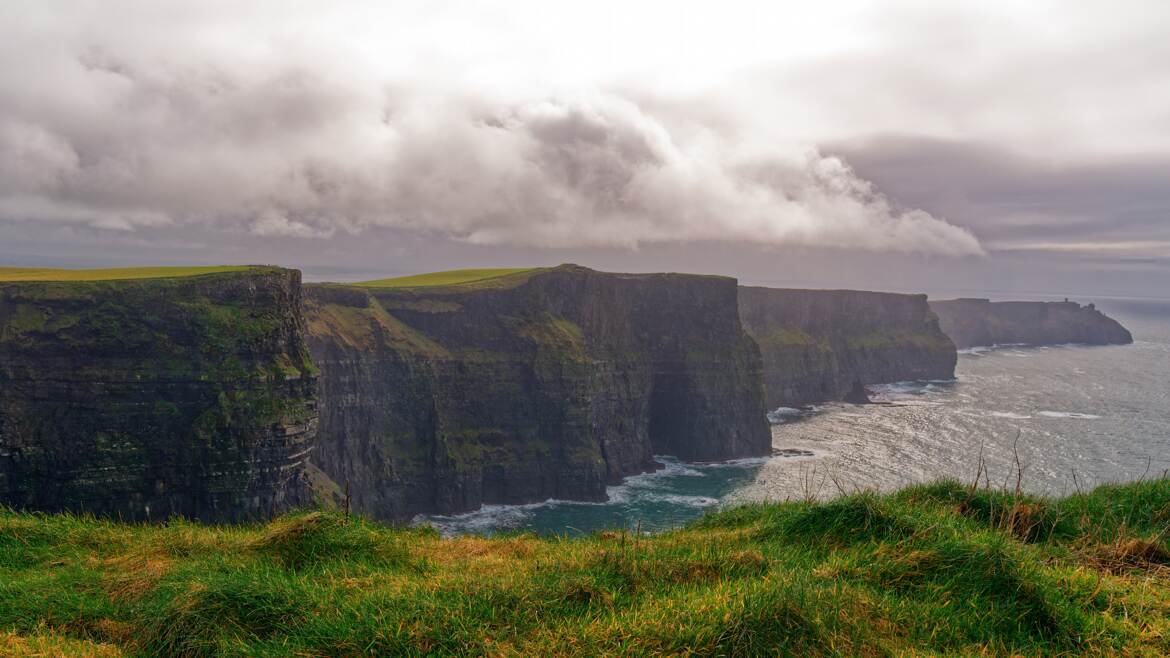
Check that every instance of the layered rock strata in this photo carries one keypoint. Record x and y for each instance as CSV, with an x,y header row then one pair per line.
x,y
152,398
545,384
817,344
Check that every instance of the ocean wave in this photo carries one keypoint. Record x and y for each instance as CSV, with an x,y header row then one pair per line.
x,y
483,520
1067,414
910,388
735,463
681,499
781,415
899,388
634,488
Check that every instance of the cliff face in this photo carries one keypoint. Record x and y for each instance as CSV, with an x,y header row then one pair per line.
x,y
550,383
979,322
816,343
150,398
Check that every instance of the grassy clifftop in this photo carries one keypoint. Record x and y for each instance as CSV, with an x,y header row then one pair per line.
x,y
447,278
10,274
931,570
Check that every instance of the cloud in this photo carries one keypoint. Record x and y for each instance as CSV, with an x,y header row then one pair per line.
x,y
272,224
1119,206
123,130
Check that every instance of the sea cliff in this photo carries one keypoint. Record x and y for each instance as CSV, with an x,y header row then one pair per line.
x,y
816,344
155,397
547,383
981,322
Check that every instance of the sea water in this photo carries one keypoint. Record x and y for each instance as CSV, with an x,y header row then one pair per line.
x,y
1059,419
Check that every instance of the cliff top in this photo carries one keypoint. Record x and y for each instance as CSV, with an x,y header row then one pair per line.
x,y
939,569
501,277
835,292
447,278
20,274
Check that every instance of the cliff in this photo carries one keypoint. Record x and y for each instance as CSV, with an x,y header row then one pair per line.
x,y
978,322
816,344
154,397
539,384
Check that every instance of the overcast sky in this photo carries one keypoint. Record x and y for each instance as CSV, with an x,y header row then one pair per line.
x,y
891,145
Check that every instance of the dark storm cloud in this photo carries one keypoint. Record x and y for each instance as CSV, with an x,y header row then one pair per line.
x,y
1113,208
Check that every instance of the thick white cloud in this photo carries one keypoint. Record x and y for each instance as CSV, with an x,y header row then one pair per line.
x,y
305,123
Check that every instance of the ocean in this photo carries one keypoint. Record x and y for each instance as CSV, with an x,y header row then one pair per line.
x,y
1073,416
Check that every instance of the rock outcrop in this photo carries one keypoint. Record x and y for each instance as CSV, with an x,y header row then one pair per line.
x,y
981,322
816,344
544,384
145,399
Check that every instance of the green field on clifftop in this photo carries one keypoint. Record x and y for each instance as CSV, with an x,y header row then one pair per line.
x,y
10,274
448,278
939,569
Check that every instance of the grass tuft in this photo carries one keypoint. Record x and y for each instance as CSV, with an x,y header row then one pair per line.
x,y
297,541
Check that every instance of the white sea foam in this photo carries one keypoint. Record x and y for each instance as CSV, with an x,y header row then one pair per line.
x,y
898,390
1010,414
484,519
495,517
682,499
1067,414
737,463
781,415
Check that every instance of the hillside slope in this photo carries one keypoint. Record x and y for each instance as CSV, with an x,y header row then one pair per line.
x,y
931,570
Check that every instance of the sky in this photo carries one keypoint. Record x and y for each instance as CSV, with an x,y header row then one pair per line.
x,y
897,145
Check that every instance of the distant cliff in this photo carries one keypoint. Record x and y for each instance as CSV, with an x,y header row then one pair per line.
x,y
538,384
976,322
816,344
150,398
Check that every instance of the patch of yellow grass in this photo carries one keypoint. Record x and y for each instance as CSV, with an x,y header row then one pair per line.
x,y
130,576
470,548
112,274
52,645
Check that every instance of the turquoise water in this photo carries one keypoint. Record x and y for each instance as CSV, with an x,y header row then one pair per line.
x,y
1076,416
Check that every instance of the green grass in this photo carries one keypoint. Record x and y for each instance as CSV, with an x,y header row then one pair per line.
x,y
8,274
935,570
448,278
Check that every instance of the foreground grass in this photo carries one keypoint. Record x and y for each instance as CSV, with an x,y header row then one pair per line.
x,y
448,278
50,274
931,570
